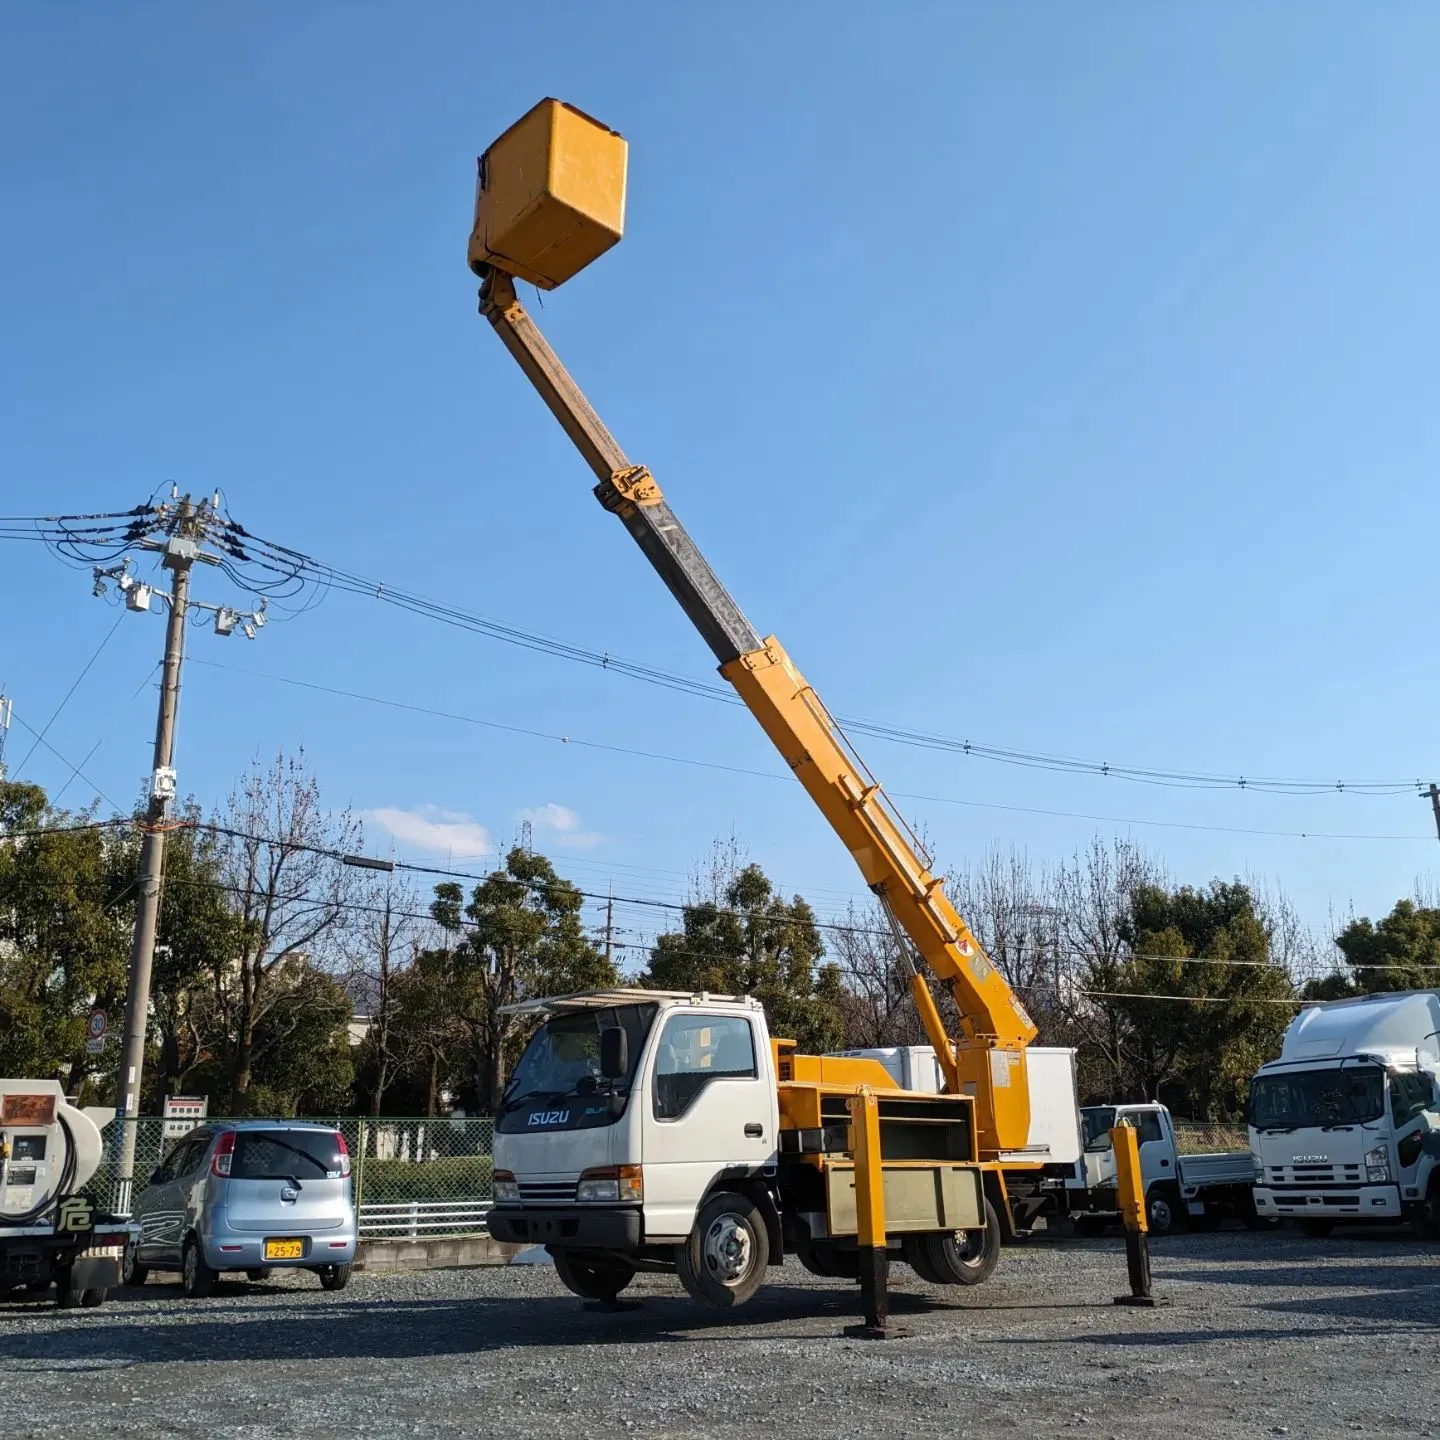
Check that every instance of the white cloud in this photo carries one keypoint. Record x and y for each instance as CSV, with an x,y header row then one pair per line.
x,y
561,824
429,828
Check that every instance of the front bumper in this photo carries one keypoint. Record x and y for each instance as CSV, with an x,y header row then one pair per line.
x,y
585,1227
230,1251
1299,1202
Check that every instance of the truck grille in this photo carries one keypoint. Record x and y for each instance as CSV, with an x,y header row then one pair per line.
x,y
547,1192
1312,1176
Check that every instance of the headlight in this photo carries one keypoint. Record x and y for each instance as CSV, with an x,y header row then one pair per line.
x,y
611,1185
503,1187
1377,1174
1378,1156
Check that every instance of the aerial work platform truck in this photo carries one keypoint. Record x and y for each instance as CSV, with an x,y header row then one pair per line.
x,y
672,1131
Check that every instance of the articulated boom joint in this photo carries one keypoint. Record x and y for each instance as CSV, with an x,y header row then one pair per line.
x,y
628,488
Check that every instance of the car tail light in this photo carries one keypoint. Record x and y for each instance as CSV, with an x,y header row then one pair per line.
x,y
344,1154
224,1154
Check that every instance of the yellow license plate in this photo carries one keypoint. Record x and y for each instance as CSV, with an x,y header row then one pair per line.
x,y
284,1249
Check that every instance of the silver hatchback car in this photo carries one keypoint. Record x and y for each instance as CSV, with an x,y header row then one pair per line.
x,y
251,1196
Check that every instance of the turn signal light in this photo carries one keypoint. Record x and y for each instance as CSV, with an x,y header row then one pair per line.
x,y
611,1185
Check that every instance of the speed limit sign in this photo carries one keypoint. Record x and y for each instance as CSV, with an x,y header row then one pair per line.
x,y
97,1024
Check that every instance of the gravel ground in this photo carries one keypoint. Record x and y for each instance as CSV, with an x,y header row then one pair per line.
x,y
1261,1335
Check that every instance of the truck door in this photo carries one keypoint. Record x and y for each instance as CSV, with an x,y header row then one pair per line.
x,y
1410,1097
711,1106
1157,1148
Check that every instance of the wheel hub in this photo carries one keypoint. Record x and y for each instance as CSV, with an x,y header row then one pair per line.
x,y
727,1249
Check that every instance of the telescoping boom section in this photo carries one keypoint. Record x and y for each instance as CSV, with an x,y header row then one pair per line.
x,y
987,1059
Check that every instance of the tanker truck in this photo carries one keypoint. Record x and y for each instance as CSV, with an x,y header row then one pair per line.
x,y
50,1233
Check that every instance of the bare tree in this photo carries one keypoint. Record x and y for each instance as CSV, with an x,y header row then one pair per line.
x,y
291,895
389,931
1093,893
877,1008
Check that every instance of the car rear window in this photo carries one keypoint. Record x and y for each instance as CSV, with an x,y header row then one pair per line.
x,y
281,1154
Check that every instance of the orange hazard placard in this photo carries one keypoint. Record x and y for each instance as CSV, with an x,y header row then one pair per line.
x,y
27,1110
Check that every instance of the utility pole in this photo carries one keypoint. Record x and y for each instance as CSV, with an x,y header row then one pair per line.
x,y
180,552
1435,806
184,527
610,924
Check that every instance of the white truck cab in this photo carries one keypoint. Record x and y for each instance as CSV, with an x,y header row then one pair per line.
x,y
1345,1125
619,1139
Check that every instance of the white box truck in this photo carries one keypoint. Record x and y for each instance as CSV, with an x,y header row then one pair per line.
x,y
1345,1125
1040,1177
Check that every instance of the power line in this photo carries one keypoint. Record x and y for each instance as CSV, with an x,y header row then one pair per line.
x,y
573,740
55,715
280,570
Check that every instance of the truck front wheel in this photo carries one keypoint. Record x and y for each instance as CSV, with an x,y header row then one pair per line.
x,y
724,1260
590,1281
1162,1209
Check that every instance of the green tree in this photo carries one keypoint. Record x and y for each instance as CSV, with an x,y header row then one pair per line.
x,y
301,1060
751,942
66,901
522,938
1212,947
1401,952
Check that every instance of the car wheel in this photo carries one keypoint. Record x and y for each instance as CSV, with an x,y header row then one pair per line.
x,y
197,1279
132,1272
92,1298
259,1273
1426,1219
335,1277
966,1257
1316,1229
724,1260
589,1281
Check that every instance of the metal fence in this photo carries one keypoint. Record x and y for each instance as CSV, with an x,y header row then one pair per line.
x,y
413,1178
1203,1137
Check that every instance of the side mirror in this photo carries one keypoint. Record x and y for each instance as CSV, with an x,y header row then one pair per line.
x,y
614,1053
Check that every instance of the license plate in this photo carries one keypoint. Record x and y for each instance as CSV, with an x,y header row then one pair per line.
x,y
284,1249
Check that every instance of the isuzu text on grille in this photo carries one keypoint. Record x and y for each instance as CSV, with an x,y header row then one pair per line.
x,y
549,1117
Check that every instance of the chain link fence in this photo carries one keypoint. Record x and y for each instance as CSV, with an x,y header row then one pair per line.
x,y
413,1178
1203,1137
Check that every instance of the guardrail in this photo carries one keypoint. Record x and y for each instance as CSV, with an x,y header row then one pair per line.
x,y
421,1219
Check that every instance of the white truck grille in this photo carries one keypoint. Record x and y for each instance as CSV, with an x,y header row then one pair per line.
x,y
547,1192
1311,1176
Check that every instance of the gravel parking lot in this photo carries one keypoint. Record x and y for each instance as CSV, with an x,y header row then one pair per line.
x,y
1261,1335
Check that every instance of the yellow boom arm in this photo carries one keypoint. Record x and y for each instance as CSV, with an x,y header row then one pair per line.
x,y
988,1061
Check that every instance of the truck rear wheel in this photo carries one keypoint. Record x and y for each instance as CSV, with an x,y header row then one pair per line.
x,y
965,1257
724,1260
591,1281
829,1261
917,1257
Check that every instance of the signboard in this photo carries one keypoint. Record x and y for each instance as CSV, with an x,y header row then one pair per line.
x,y
30,1112
94,1047
183,1113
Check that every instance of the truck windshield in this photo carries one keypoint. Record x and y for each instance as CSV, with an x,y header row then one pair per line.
x,y
1347,1095
1099,1121
558,1085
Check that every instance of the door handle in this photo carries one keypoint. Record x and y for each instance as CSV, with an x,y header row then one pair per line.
x,y
754,1130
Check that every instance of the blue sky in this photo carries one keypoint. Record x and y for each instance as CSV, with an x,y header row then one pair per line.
x,y
1049,375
